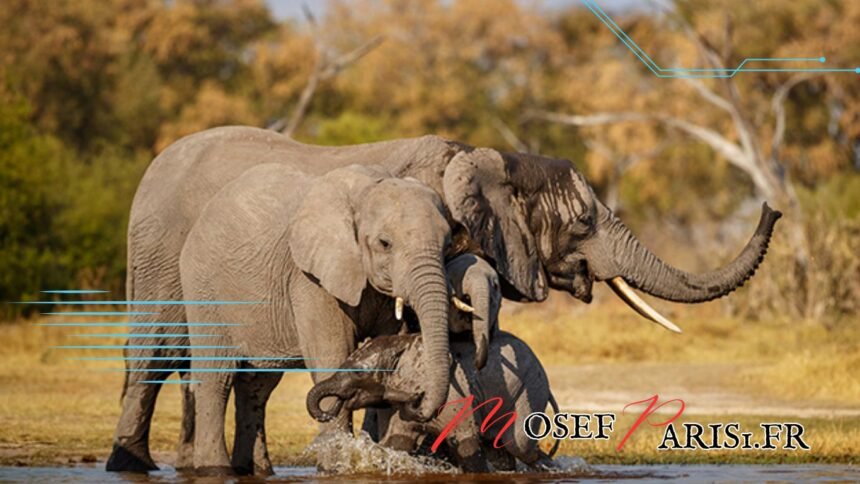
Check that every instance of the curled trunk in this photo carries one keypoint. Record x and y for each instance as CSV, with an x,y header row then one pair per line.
x,y
646,272
332,387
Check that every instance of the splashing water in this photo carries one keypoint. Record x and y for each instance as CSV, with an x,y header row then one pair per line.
x,y
341,453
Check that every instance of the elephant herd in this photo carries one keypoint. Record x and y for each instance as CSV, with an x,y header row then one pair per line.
x,y
290,256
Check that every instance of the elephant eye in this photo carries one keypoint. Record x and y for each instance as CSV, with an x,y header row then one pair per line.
x,y
383,243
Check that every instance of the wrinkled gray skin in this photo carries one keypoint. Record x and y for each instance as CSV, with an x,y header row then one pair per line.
x,y
474,281
512,373
534,218
470,278
323,256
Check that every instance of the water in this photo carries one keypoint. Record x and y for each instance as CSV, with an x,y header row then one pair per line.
x,y
679,473
359,459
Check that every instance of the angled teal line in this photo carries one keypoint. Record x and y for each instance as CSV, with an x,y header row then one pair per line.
x,y
73,291
719,73
141,335
117,324
98,313
141,303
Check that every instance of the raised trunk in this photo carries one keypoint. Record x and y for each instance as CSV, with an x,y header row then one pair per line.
x,y
428,295
646,272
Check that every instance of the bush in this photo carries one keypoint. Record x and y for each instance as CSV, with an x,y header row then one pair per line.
x,y
826,286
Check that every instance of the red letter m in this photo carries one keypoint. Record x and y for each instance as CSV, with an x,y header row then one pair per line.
x,y
468,410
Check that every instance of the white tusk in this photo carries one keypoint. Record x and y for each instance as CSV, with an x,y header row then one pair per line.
x,y
398,308
461,305
633,300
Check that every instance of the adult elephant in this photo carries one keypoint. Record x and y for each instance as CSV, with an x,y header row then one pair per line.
x,y
327,258
534,218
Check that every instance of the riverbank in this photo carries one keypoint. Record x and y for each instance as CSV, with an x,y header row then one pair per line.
x,y
56,411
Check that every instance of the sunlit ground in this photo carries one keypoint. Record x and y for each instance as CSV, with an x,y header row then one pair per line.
x,y
57,411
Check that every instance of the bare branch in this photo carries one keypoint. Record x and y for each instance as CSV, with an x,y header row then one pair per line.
x,y
733,153
309,15
323,70
344,61
710,95
777,104
509,136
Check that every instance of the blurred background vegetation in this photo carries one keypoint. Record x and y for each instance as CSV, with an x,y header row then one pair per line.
x,y
92,90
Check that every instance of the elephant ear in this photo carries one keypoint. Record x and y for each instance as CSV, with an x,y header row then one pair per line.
x,y
482,197
322,236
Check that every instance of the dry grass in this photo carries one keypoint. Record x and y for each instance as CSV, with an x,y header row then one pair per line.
x,y
54,410
794,359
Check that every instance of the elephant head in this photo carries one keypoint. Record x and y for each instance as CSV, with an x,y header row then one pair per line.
x,y
538,221
358,225
372,383
474,281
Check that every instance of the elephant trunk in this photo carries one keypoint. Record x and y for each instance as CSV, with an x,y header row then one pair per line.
x,y
646,272
335,386
428,296
482,326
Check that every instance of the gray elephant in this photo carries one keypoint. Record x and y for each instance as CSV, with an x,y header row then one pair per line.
x,y
534,218
326,260
513,373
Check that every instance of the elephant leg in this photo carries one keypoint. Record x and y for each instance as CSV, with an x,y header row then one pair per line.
x,y
210,404
252,391
326,338
185,448
376,421
131,440
399,434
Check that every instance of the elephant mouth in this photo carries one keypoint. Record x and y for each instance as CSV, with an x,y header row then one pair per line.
x,y
579,286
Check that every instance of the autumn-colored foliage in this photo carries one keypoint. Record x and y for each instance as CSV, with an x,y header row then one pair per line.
x,y
91,90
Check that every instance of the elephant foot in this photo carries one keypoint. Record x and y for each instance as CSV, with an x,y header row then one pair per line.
x,y
185,456
124,460
215,471
258,470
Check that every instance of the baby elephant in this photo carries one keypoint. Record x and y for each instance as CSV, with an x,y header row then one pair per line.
x,y
512,373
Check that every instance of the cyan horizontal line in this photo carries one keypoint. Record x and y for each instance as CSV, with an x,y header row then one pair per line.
x,y
247,370
98,313
74,291
175,382
143,347
142,303
139,335
187,358
137,325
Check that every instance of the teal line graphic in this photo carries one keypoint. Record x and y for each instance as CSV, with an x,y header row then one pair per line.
x,y
117,324
720,73
189,358
98,313
247,370
142,303
175,382
73,291
141,335
142,347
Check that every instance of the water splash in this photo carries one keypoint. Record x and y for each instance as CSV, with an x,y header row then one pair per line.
x,y
341,453
565,465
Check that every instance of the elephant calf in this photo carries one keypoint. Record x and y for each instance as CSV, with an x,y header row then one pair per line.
x,y
512,373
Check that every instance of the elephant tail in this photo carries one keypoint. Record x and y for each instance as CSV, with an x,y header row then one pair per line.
x,y
555,409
